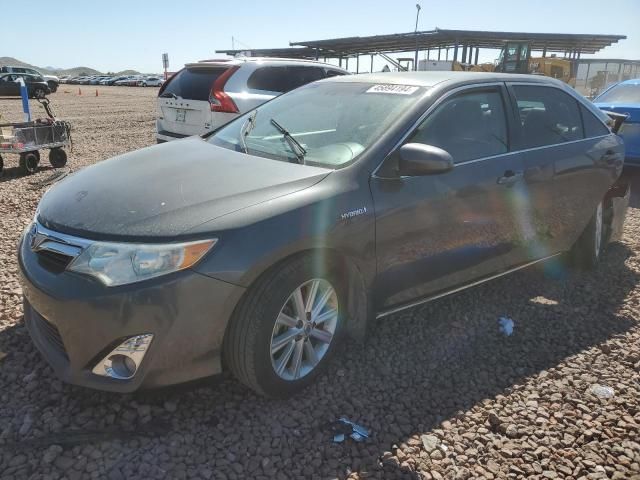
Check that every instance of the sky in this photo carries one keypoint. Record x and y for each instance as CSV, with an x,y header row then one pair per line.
x,y
117,35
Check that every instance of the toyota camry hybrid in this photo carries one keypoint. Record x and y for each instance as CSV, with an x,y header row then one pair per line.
x,y
256,248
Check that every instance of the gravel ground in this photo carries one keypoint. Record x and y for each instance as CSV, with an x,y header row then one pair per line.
x,y
444,395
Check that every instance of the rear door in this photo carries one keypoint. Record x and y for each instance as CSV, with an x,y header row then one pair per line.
x,y
184,100
440,231
568,168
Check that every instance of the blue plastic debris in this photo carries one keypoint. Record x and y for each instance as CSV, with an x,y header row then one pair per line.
x,y
505,324
354,431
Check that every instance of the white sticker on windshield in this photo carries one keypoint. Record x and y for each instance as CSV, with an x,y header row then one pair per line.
x,y
395,89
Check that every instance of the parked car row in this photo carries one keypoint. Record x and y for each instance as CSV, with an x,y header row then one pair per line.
x,y
127,80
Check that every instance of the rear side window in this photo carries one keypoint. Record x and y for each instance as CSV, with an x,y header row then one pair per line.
x,y
548,116
299,76
193,83
334,73
271,79
283,79
468,126
593,127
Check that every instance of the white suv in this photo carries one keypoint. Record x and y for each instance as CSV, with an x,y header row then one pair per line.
x,y
205,95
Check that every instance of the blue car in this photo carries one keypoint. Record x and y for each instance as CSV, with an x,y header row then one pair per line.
x,y
624,97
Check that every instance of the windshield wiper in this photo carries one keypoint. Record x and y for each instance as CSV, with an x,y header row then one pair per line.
x,y
247,126
298,150
169,95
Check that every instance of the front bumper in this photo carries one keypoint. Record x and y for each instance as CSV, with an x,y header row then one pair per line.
x,y
75,320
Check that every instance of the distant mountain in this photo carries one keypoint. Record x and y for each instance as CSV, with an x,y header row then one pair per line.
x,y
59,71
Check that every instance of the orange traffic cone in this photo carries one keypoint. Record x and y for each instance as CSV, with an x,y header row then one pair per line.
x,y
96,92
79,92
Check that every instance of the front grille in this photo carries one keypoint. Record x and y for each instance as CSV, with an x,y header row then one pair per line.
x,y
53,261
50,333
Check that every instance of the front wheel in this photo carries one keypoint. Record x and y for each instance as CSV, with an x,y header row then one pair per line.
x,y
39,93
284,332
588,248
29,162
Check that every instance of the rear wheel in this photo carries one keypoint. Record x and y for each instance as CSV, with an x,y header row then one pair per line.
x,y
284,332
588,248
57,157
1,165
39,93
29,161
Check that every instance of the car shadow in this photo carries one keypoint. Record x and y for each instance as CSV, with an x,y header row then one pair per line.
x,y
9,174
415,370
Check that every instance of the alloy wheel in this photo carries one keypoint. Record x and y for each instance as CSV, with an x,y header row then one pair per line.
x,y
304,329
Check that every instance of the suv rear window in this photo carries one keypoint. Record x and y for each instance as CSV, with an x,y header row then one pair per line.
x,y
283,79
193,83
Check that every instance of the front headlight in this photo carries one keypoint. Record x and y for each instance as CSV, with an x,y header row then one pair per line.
x,y
121,263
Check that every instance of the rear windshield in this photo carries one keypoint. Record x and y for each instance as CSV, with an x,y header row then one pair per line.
x,y
193,83
623,93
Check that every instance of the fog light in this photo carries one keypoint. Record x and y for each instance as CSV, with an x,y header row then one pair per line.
x,y
124,360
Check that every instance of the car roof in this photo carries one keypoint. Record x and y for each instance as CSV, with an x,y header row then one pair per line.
x,y
242,60
430,79
632,81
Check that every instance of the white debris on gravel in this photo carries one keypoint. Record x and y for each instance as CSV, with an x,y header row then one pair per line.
x,y
504,409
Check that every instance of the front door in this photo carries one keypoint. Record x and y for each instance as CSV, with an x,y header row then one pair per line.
x,y
441,231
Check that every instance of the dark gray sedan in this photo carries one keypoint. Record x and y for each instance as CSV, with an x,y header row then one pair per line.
x,y
256,248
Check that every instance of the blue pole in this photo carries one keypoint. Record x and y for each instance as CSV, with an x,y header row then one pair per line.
x,y
24,93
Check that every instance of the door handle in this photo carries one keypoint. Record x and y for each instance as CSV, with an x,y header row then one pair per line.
x,y
509,178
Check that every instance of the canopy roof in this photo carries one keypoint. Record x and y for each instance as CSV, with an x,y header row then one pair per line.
x,y
438,38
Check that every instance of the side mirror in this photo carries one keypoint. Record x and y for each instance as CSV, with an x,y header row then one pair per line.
x,y
417,159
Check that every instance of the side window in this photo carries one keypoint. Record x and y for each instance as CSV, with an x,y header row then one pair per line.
x,y
20,70
468,126
299,76
334,73
271,79
548,116
593,127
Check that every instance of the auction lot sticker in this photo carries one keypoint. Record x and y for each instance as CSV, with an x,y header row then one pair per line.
x,y
395,89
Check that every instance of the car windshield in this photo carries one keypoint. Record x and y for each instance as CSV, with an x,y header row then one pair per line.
x,y
622,93
324,124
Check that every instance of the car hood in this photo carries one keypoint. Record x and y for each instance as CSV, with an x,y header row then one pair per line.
x,y
167,191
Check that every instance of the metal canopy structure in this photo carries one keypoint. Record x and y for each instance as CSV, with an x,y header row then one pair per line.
x,y
574,44
294,52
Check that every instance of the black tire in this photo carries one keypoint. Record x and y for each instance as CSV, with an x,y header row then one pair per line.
x,y
39,93
1,165
29,162
247,348
57,157
53,86
586,252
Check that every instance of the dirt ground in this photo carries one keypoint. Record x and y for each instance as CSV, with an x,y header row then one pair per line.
x,y
442,392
